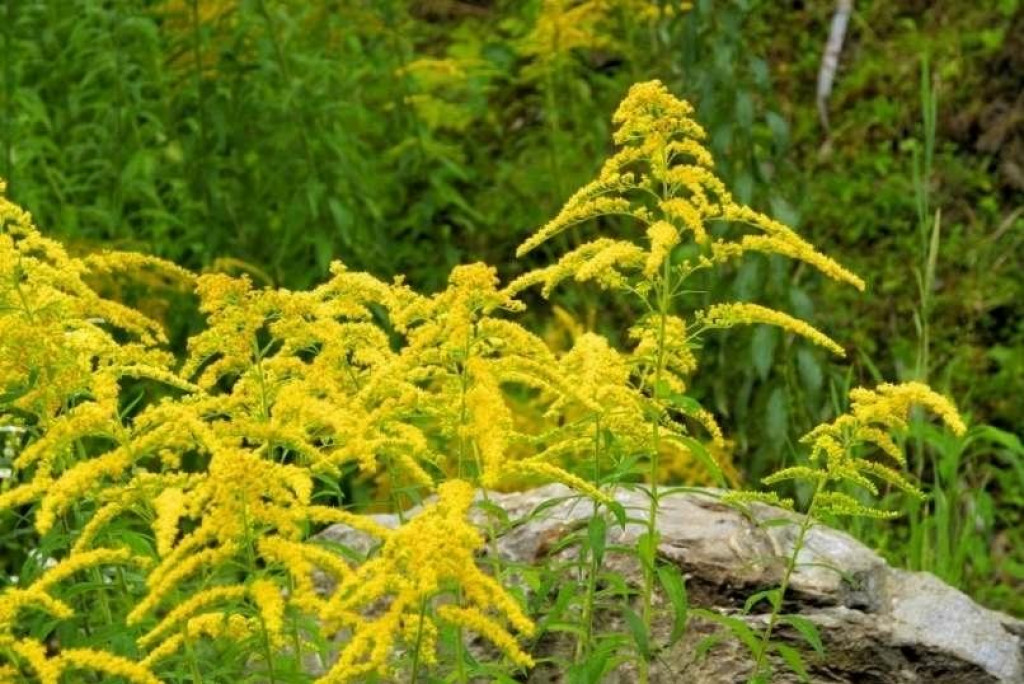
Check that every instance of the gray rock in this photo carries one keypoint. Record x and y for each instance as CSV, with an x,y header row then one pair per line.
x,y
878,624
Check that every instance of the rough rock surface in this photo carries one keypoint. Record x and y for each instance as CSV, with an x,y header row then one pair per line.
x,y
878,624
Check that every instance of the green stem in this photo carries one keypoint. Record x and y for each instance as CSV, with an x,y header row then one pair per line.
x,y
460,659
190,654
798,544
663,292
250,556
296,638
583,644
414,674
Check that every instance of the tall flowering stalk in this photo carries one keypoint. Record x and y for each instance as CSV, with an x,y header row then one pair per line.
x,y
843,457
663,179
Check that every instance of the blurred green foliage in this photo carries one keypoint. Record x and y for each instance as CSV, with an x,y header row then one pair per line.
x,y
403,137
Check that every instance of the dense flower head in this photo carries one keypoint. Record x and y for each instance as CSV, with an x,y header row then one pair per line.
x,y
662,177
841,449
745,313
431,554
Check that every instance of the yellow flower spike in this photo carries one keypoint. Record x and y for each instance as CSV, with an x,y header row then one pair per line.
x,y
433,551
741,313
663,236
188,608
107,663
271,608
679,357
778,238
23,494
214,625
873,414
83,560
76,481
85,419
489,629
14,600
34,652
882,440
796,248
707,420
684,213
324,514
893,403
490,420
552,472
170,508
170,573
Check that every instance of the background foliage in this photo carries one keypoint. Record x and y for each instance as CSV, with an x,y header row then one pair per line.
x,y
271,136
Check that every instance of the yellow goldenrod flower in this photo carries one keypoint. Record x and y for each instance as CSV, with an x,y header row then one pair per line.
x,y
188,608
107,663
34,653
169,506
14,599
663,236
213,625
82,560
430,553
873,413
744,313
271,608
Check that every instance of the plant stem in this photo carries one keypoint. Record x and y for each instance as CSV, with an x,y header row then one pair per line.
x,y
583,644
193,662
250,555
460,659
414,674
798,544
664,301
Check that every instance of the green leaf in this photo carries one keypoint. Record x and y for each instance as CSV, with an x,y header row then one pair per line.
x,y
571,627
662,390
687,405
647,547
618,511
705,458
794,660
673,583
762,349
591,670
776,416
776,522
493,511
705,645
810,370
770,595
739,629
807,629
596,535
638,631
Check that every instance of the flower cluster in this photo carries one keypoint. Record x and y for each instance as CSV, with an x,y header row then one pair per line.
x,y
663,178
842,450
280,389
